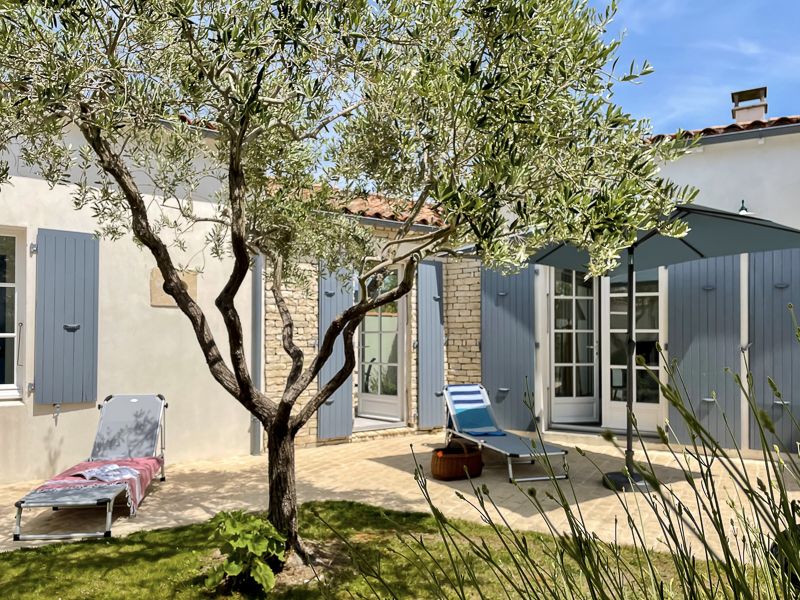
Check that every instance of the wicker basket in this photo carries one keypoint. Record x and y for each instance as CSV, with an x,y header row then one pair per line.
x,y
448,464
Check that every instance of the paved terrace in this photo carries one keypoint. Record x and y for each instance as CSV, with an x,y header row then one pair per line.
x,y
378,472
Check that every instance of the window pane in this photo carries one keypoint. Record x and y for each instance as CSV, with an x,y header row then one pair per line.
x,y
646,346
646,387
389,381
389,322
585,381
369,378
370,348
563,350
563,282
584,347
389,347
619,283
582,286
7,255
647,281
6,361
6,310
372,322
563,382
619,352
584,314
647,312
619,313
390,281
619,378
563,314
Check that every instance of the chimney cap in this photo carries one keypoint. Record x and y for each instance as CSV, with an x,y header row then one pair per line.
x,y
755,107
759,93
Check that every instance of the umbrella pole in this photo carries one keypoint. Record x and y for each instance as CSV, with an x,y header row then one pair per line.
x,y
628,479
631,371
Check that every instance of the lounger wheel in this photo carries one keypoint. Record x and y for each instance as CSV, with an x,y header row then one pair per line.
x,y
163,478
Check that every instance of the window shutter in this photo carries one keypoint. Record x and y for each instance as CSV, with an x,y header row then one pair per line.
x,y
65,346
430,348
704,305
335,417
508,344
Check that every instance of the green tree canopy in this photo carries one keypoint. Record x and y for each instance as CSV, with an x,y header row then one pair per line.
x,y
498,114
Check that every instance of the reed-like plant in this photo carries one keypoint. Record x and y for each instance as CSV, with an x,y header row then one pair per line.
x,y
754,554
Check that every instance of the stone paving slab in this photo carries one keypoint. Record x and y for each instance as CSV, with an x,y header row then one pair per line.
x,y
377,472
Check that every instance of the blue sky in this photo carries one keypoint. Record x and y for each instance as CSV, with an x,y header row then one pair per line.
x,y
702,50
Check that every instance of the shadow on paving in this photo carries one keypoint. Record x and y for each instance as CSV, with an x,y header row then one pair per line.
x,y
584,484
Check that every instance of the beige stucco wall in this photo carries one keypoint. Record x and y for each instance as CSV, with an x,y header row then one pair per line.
x,y
141,349
762,172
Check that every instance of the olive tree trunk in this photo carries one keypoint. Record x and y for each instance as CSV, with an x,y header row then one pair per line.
x,y
282,485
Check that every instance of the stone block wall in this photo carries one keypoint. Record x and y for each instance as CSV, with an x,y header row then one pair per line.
x,y
462,317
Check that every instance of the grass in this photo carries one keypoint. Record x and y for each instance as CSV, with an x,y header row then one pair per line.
x,y
166,563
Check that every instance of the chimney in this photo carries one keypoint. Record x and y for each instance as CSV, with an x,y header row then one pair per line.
x,y
754,107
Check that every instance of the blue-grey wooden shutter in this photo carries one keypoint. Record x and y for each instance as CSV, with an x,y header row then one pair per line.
x,y
430,345
335,417
65,345
704,338
774,283
508,344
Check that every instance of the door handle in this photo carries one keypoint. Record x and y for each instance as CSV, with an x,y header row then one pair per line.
x,y
72,327
781,402
19,344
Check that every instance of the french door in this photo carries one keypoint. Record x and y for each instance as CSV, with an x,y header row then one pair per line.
x,y
381,368
650,319
574,349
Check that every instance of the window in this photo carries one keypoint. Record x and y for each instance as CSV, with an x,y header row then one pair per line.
x,y
646,299
10,315
380,345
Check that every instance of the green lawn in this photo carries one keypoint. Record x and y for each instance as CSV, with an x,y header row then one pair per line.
x,y
167,563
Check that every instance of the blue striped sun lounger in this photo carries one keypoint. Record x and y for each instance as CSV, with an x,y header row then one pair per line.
x,y
470,416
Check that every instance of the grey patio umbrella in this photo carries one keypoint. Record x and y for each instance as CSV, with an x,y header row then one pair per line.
x,y
712,233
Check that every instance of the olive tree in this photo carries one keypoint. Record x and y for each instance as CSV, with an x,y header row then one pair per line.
x,y
496,114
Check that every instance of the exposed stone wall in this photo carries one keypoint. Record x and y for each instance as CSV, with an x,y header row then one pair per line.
x,y
462,318
303,303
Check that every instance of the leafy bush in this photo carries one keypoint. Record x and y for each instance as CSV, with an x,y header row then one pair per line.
x,y
248,543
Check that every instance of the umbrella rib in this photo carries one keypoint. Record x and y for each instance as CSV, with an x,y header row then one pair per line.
x,y
692,248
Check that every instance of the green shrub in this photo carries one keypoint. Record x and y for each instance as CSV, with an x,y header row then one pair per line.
x,y
248,543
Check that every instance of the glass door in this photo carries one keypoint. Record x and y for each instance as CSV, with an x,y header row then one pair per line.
x,y
649,312
382,346
574,349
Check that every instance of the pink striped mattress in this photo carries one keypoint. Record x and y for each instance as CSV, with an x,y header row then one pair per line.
x,y
135,473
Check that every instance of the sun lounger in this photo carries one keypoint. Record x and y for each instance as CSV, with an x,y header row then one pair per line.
x,y
470,416
127,454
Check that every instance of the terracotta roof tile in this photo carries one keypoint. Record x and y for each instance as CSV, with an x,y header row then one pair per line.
x,y
378,207
732,128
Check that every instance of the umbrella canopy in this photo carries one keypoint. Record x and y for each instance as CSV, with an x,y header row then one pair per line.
x,y
712,233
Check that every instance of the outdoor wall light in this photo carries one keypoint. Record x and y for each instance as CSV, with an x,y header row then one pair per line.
x,y
744,211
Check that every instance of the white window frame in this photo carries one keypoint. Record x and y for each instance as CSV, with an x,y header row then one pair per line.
x,y
13,391
402,351
649,415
